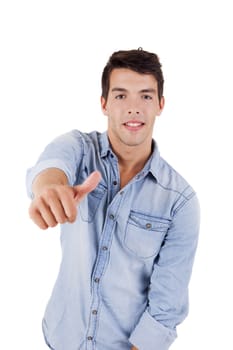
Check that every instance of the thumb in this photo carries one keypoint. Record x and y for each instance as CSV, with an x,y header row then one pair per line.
x,y
87,186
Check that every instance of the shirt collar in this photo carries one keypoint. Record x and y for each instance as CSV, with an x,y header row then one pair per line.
x,y
153,164
104,145
154,161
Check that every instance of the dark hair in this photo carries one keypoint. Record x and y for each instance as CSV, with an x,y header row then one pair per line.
x,y
140,61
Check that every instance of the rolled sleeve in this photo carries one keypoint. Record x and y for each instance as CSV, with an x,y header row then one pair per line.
x,y
64,153
151,335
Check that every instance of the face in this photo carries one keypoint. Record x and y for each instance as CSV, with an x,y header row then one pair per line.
x,y
131,107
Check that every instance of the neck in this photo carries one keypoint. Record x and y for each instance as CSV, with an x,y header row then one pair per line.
x,y
131,159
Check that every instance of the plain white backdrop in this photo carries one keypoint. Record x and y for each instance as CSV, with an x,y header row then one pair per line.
x,y
51,58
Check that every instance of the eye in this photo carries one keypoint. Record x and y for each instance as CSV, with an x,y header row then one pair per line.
x,y
120,97
147,97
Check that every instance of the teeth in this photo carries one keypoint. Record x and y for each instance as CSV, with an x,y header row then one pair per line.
x,y
133,124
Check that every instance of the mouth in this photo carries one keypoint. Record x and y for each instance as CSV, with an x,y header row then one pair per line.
x,y
134,125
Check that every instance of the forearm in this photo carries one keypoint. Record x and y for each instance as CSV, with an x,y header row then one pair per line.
x,y
51,176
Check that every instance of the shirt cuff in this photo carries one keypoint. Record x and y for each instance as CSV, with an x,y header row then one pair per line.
x,y
52,163
149,334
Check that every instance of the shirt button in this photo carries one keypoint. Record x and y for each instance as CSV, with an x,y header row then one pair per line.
x,y
111,216
89,338
148,225
114,183
94,312
104,248
96,280
122,192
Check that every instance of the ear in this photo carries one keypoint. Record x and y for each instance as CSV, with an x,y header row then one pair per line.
x,y
103,105
161,105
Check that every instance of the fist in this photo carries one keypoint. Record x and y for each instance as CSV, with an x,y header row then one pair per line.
x,y
57,204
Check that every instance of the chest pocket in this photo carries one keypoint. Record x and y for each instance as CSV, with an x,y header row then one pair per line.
x,y
144,234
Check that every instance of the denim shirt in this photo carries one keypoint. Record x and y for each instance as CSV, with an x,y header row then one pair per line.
x,y
127,259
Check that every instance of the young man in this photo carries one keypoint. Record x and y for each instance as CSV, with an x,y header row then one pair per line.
x,y
129,221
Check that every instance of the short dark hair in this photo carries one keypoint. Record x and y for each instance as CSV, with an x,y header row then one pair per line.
x,y
140,61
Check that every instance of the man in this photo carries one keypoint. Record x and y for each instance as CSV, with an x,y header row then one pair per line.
x,y
129,221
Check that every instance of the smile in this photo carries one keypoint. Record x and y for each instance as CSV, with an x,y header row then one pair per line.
x,y
134,124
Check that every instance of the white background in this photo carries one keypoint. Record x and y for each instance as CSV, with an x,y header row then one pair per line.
x,y
51,59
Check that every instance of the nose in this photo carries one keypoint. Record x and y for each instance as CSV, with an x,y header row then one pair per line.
x,y
132,111
133,106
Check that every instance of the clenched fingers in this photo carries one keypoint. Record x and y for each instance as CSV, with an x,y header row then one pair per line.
x,y
56,205
38,219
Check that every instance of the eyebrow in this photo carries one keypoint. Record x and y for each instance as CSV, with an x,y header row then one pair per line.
x,y
150,90
118,89
153,91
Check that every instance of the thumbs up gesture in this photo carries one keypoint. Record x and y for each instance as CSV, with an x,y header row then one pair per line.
x,y
55,202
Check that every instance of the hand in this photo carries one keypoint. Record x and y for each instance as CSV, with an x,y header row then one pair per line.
x,y
134,348
58,203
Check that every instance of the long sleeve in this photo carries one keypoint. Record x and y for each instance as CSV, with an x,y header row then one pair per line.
x,y
168,294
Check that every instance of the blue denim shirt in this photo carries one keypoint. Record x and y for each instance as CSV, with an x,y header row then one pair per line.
x,y
127,259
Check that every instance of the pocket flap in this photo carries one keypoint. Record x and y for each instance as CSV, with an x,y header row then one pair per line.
x,y
148,222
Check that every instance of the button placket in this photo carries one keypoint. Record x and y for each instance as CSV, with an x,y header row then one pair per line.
x,y
99,268
102,259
